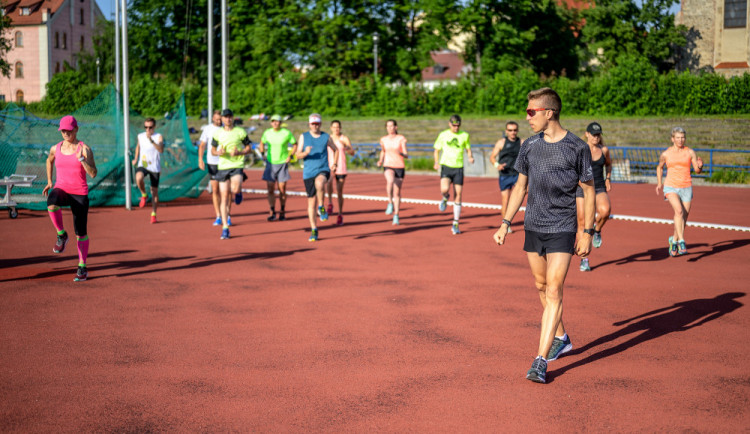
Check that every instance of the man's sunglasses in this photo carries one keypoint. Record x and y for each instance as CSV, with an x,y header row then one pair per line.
x,y
148,127
532,112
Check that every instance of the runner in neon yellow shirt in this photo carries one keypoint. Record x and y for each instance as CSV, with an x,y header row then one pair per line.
x,y
451,143
230,144
277,140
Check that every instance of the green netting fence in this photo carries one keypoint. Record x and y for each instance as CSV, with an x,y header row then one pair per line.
x,y
25,141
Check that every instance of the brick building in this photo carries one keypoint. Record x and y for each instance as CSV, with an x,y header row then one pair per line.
x,y
719,36
44,34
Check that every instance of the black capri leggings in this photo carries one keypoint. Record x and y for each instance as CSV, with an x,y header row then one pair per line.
x,y
78,203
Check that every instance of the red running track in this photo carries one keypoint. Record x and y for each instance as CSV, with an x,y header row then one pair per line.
x,y
374,327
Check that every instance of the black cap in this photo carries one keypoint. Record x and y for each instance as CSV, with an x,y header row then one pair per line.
x,y
594,128
227,112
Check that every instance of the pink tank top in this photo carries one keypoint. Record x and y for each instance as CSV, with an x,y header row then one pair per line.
x,y
678,167
393,147
341,164
71,176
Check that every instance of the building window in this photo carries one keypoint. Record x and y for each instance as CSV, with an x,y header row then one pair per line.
x,y
25,11
81,16
83,40
19,39
19,70
57,39
735,13
2,98
65,41
19,95
57,67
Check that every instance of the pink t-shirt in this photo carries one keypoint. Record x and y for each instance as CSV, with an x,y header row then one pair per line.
x,y
393,147
341,164
71,176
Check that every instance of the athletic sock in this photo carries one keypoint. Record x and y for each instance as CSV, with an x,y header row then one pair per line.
x,y
225,227
563,337
446,196
144,195
153,213
83,249
456,212
57,220
273,210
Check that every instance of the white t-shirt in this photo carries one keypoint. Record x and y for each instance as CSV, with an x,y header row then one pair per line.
x,y
150,157
206,135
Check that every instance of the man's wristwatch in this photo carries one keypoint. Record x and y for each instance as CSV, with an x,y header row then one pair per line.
x,y
589,231
505,221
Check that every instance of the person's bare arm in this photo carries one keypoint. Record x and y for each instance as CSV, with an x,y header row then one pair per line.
x,y
495,152
50,164
607,167
87,156
514,204
660,172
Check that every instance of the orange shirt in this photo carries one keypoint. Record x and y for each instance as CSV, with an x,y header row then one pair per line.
x,y
393,147
678,167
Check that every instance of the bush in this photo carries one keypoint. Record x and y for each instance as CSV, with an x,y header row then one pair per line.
x,y
725,176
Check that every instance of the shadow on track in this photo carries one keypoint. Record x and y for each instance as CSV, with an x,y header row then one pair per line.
x,y
18,262
679,317
719,247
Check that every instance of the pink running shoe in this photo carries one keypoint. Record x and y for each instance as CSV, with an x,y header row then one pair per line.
x,y
142,203
153,219
340,220
330,208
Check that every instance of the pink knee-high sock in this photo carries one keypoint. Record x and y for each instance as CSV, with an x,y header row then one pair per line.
x,y
57,220
83,249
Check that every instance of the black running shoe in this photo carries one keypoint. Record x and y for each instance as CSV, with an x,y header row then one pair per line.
x,y
82,274
282,216
271,217
62,240
538,371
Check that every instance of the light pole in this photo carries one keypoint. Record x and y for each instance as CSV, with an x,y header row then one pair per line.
x,y
97,71
375,38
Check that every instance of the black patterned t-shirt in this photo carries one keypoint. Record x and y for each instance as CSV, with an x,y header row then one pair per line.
x,y
553,170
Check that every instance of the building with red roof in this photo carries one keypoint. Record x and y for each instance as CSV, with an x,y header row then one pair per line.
x,y
44,34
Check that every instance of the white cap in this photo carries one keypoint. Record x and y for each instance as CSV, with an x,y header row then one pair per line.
x,y
314,118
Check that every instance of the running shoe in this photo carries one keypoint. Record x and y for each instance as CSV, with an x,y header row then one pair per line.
x,y
82,274
443,204
395,220
313,235
597,241
225,234
538,371
669,242
271,217
238,197
142,203
672,248
681,248
340,220
282,216
559,347
229,220
217,222
153,218
330,208
323,213
585,265
389,209
454,229
62,240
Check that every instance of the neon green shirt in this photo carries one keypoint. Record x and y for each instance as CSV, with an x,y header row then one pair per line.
x,y
452,147
278,144
230,140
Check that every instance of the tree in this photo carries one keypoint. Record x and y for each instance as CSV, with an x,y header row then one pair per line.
x,y
5,45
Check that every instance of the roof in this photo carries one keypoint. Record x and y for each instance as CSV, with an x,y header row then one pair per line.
x,y
732,65
36,7
447,65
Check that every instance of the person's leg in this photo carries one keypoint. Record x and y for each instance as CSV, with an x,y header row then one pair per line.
x,y
445,186
271,186
79,206
282,199
224,193
686,213
340,193
320,183
397,184
154,199
311,212
579,232
329,191
679,215
504,197
216,197
557,269
457,197
539,269
603,209
141,184
55,200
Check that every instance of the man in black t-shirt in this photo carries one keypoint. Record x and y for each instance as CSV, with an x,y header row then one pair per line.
x,y
503,157
550,165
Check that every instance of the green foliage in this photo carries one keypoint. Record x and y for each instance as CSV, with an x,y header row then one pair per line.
x,y
725,176
5,44
68,91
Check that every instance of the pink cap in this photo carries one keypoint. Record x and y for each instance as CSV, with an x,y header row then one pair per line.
x,y
68,123
314,118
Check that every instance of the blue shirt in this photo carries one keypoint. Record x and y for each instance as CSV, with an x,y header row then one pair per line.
x,y
316,161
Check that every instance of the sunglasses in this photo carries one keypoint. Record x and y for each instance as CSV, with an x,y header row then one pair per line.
x,y
148,127
314,123
532,112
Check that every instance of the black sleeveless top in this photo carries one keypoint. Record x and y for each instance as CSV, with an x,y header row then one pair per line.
x,y
597,167
508,155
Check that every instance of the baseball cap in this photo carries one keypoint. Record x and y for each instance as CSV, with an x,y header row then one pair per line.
x,y
68,123
594,128
276,118
314,118
227,112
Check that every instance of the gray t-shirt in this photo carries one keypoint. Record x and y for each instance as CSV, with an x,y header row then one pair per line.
x,y
553,170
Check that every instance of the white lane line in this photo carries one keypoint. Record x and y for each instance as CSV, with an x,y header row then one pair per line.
x,y
498,207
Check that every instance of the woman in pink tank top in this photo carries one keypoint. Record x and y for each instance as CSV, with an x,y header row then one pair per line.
x,y
392,155
72,160
678,188
345,147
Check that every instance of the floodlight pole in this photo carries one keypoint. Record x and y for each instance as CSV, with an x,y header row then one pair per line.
x,y
117,47
210,58
224,73
125,102
375,38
